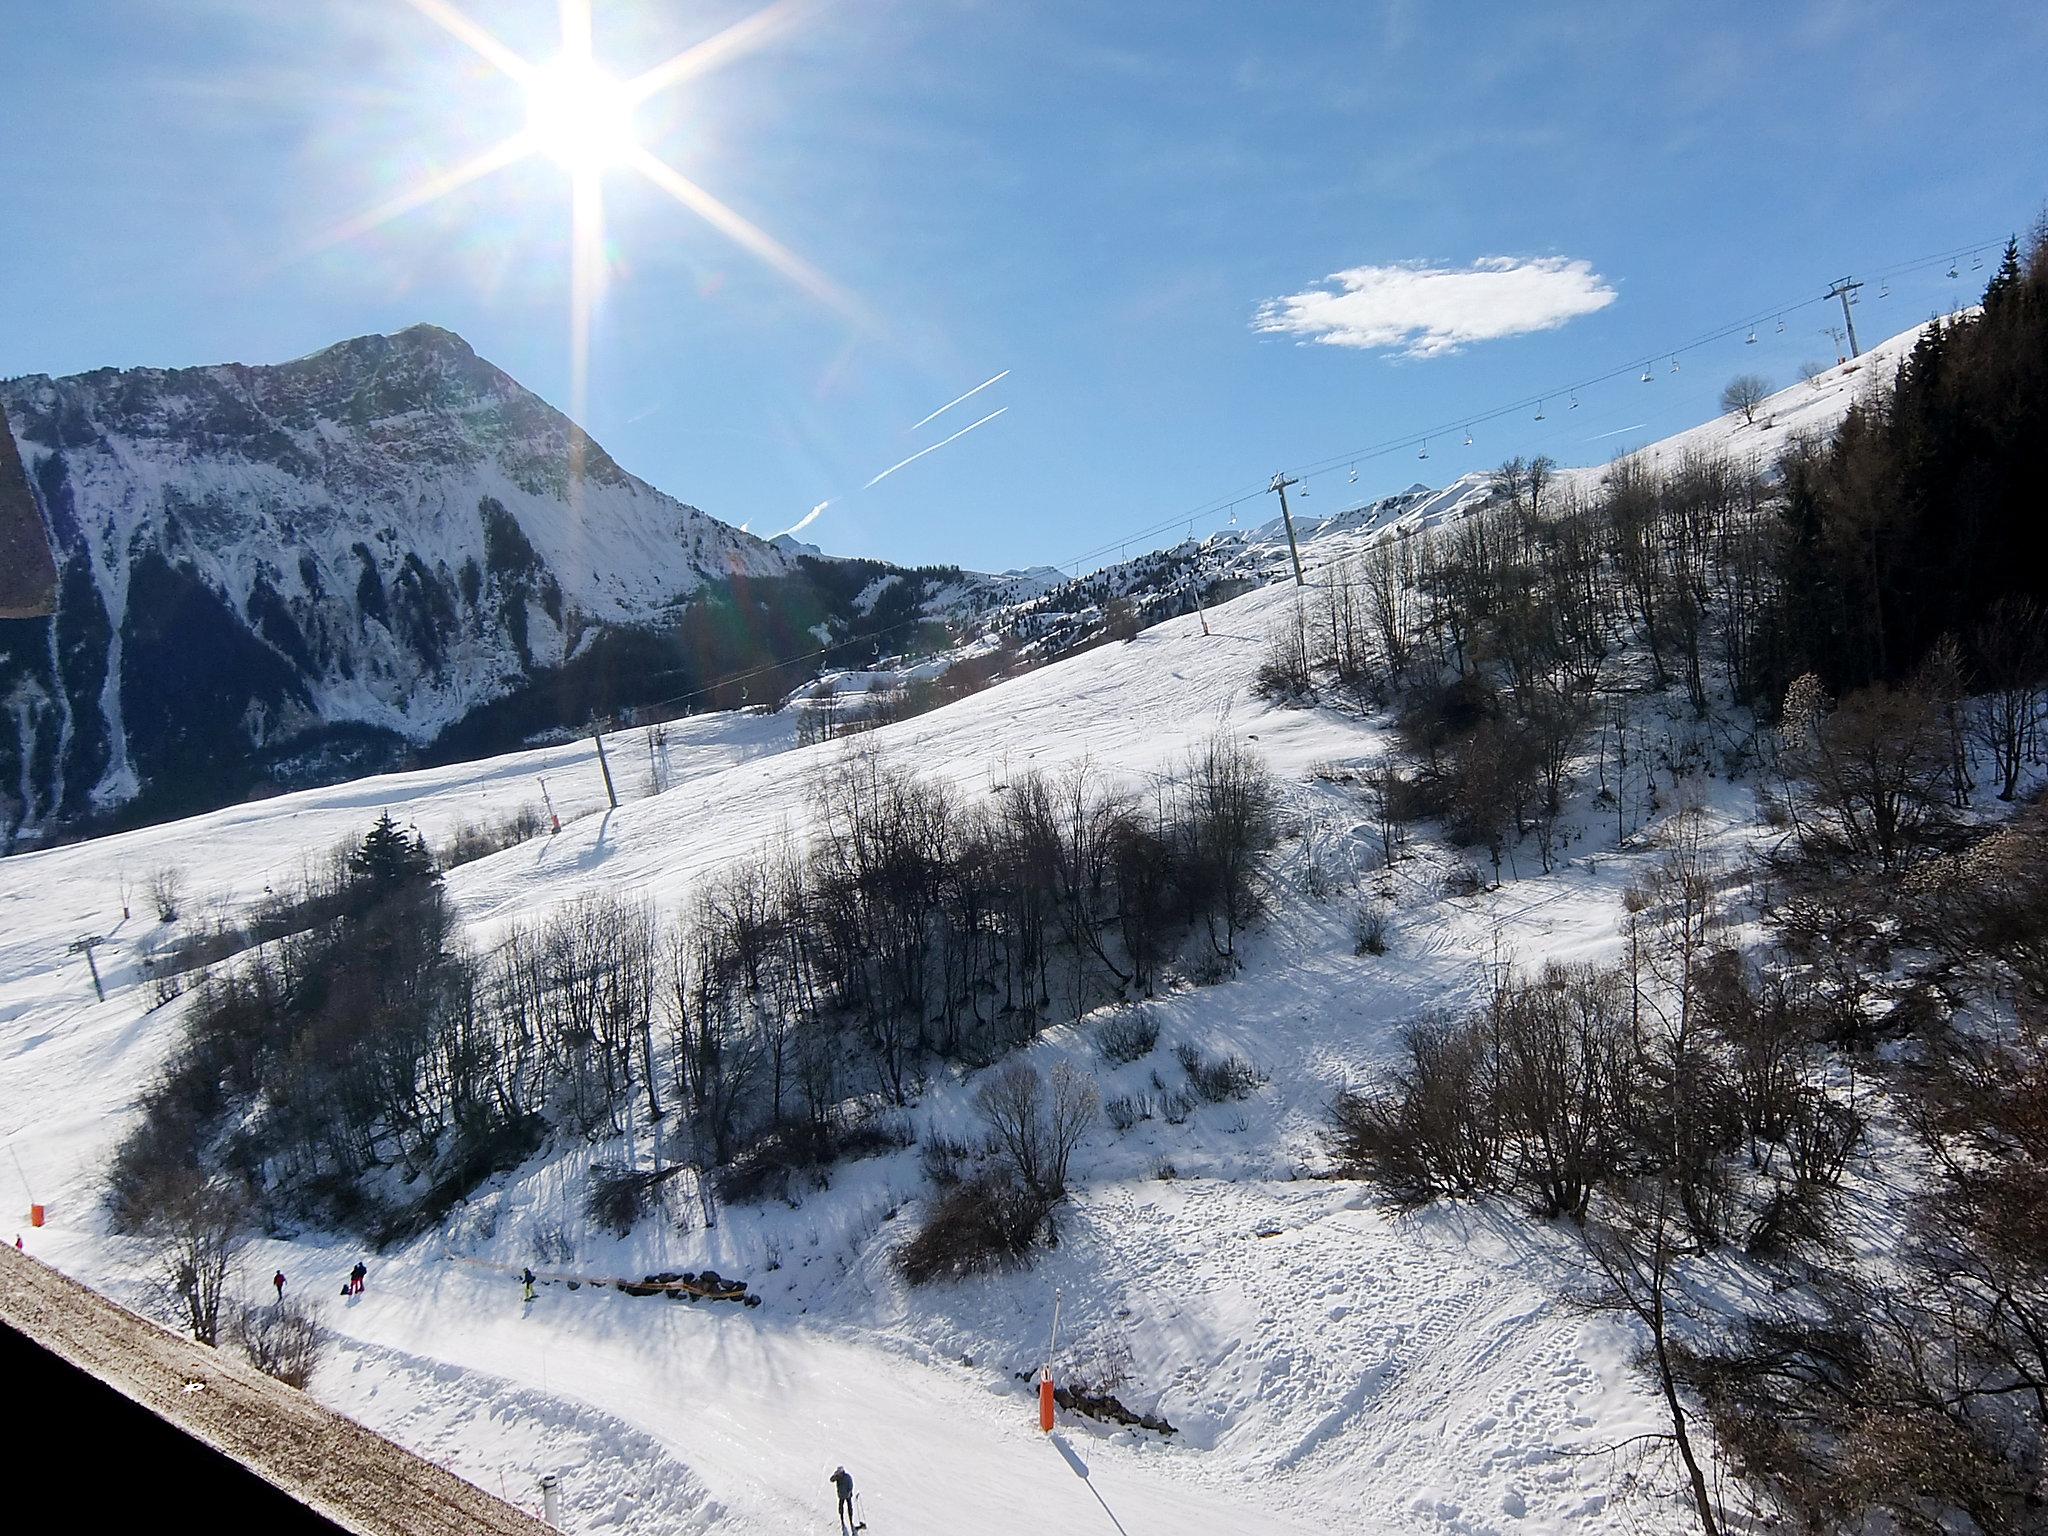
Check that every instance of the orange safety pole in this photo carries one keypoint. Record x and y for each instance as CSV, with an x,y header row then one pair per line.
x,y
1046,1401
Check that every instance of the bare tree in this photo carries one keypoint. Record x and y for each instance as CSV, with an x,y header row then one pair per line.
x,y
1745,392
2014,653
195,1224
1035,1131
167,892
1635,1254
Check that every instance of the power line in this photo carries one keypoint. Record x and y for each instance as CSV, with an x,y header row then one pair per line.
x,y
1466,421
1254,493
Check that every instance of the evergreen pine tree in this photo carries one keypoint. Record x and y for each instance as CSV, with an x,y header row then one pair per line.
x,y
2006,280
387,860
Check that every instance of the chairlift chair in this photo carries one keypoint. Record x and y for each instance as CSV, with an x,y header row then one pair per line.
x,y
1752,337
1674,365
1781,325
1539,410
1952,270
1468,437
1575,400
1976,261
1646,373
1884,288
1424,452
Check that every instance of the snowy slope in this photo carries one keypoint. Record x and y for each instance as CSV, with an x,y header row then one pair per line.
x,y
1329,1366
1348,1353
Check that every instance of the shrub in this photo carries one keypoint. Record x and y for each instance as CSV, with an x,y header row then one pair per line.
x,y
978,1227
1220,1080
1127,1037
1430,1130
284,1339
1463,879
943,1158
1369,929
1126,1110
167,892
620,1196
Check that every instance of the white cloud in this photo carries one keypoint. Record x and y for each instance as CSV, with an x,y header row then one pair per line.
x,y
1431,311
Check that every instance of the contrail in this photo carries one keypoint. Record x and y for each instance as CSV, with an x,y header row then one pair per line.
x,y
935,447
1616,432
984,384
807,519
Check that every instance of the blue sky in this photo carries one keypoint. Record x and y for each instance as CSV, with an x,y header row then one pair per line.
x,y
1108,200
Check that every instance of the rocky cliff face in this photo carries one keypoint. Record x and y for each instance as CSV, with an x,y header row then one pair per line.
x,y
273,575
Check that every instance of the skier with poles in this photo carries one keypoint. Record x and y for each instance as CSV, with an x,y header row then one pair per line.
x,y
842,1482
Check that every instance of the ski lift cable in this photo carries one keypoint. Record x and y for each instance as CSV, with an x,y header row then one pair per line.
x,y
1227,505
1465,422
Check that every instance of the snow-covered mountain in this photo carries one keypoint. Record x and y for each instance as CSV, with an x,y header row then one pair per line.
x,y
276,576
360,545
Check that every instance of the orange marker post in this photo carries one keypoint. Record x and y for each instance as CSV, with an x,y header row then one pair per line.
x,y
35,1215
1046,1401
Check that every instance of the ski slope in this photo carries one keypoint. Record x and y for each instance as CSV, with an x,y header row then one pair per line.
x,y
1328,1365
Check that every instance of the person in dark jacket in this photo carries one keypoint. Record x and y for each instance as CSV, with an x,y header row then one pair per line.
x,y
526,1279
355,1278
278,1281
842,1480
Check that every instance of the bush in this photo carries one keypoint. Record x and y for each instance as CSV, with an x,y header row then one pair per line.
x,y
284,1339
1463,879
1126,1110
1369,929
978,1227
475,840
167,892
1430,1130
1220,1080
1127,1037
943,1158
619,1196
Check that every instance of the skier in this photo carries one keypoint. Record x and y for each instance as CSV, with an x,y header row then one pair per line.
x,y
278,1281
526,1279
355,1278
842,1480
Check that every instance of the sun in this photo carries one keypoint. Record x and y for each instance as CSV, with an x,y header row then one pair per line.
x,y
582,118
579,116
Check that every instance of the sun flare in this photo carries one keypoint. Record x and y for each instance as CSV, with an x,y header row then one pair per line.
x,y
583,119
579,116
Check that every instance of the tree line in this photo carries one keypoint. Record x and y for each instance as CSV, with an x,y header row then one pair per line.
x,y
372,1068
